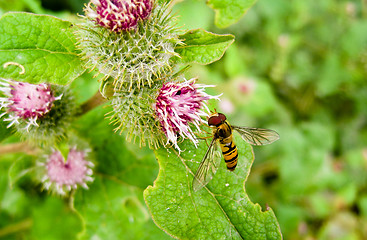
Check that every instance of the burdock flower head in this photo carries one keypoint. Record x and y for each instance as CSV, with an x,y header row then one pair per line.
x,y
41,112
25,102
178,105
119,15
131,42
62,176
158,115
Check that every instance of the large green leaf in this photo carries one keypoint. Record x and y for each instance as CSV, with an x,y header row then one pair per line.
x,y
203,47
43,47
123,160
229,11
53,219
113,207
222,210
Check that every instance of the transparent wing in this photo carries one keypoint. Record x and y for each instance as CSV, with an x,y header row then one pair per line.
x,y
208,166
257,136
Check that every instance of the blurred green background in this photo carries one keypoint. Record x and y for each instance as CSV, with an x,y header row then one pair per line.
x,y
298,67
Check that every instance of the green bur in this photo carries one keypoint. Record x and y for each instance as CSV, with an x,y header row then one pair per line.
x,y
132,58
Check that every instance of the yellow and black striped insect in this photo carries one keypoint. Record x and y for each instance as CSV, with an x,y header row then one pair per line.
x,y
222,136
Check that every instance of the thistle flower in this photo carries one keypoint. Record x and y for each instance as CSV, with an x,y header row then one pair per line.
x,y
61,176
157,115
119,15
130,58
25,102
41,113
178,105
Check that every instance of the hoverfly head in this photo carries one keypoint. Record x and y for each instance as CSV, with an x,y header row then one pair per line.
x,y
216,119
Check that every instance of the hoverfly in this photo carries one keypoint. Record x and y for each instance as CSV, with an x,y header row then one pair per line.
x,y
222,136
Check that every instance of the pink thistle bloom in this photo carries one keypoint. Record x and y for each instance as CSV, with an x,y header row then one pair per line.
x,y
119,15
178,105
63,176
25,101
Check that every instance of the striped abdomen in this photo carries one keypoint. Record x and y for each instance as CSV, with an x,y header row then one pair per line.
x,y
229,151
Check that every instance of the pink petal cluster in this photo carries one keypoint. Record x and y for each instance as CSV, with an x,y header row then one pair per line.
x,y
178,105
63,176
119,15
25,101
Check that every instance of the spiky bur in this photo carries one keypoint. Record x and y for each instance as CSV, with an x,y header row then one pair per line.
x,y
160,114
62,176
119,15
131,58
180,105
41,113
133,114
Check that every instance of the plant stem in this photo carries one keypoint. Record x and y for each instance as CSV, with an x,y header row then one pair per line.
x,y
92,103
17,227
18,147
364,5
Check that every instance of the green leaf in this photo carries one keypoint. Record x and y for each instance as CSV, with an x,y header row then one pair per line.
x,y
53,219
222,210
43,47
19,167
4,130
228,12
123,160
112,209
203,47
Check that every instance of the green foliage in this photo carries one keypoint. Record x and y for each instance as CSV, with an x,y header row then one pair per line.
x,y
291,72
228,12
43,45
25,213
113,207
4,131
62,218
113,153
203,47
298,67
217,211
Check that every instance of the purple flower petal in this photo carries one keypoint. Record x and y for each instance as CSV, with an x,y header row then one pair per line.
x,y
119,15
64,176
178,105
26,101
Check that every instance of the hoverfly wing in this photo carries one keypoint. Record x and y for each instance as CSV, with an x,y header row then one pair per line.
x,y
208,166
257,136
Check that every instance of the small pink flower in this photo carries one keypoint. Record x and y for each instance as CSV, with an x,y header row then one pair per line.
x,y
178,105
25,101
64,176
119,15
226,106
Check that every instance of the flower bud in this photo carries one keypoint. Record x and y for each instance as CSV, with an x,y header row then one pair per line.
x,y
62,176
132,59
119,15
41,113
26,102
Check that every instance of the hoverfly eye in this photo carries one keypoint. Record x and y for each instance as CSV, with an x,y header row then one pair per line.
x,y
214,121
178,92
222,117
